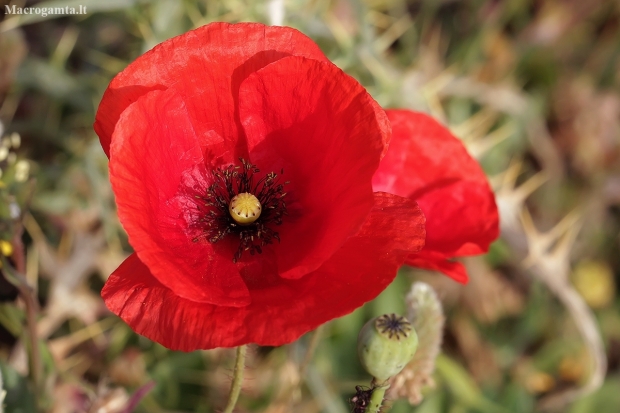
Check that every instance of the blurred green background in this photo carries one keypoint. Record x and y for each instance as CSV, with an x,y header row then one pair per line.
x,y
531,87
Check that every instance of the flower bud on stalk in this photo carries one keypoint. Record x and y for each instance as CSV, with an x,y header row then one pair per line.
x,y
385,345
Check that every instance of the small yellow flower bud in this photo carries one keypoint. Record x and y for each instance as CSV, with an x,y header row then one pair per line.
x,y
6,248
594,280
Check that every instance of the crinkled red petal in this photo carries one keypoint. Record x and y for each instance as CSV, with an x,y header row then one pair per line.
x,y
461,217
156,165
205,66
439,262
286,309
322,128
425,162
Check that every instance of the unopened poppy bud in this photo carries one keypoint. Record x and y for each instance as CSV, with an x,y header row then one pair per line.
x,y
385,345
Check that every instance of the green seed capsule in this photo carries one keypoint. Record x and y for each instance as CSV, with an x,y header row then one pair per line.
x,y
385,345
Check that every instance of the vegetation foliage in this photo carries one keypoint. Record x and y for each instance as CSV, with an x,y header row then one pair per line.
x,y
529,86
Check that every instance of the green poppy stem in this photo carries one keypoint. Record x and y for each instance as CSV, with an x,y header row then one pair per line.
x,y
377,398
235,389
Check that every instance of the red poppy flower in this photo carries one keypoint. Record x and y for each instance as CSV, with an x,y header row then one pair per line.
x,y
242,164
426,163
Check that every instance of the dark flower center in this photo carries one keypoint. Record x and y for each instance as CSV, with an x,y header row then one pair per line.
x,y
246,209
393,325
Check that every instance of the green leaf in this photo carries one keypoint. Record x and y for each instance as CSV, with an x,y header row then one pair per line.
x,y
605,400
463,386
12,318
19,398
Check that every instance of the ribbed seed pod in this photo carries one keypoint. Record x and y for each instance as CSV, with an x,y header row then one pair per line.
x,y
385,345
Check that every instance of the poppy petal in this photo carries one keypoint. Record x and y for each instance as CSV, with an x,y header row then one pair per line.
x,y
439,262
461,219
154,156
321,127
206,67
425,162
365,265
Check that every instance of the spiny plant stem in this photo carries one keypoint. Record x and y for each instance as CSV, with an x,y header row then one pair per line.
x,y
235,389
376,400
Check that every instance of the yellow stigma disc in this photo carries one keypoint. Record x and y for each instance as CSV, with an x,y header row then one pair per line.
x,y
244,208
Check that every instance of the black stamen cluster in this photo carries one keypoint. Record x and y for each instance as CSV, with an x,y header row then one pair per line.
x,y
230,181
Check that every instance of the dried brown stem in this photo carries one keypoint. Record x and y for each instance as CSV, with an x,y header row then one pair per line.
x,y
587,326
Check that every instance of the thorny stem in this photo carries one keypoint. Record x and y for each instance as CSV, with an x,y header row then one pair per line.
x,y
235,388
586,324
377,398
